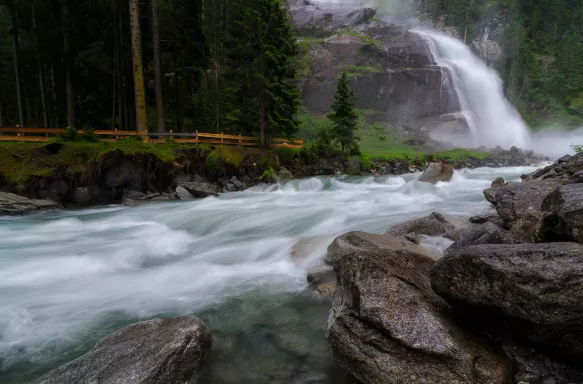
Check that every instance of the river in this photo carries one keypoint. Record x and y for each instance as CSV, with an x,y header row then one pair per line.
x,y
68,279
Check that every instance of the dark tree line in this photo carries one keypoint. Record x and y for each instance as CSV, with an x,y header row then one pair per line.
x,y
208,65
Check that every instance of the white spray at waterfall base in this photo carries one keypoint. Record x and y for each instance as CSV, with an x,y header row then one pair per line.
x,y
490,117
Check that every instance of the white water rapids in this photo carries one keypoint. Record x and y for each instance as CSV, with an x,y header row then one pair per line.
x,y
67,279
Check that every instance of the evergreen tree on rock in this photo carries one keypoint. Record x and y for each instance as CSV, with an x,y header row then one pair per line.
x,y
261,69
344,117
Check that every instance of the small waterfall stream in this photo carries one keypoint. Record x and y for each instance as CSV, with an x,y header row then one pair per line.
x,y
491,118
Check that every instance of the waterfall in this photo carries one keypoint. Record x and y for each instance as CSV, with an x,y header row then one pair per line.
x,y
490,117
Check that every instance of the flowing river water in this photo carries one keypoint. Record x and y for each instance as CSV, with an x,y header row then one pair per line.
x,y
70,278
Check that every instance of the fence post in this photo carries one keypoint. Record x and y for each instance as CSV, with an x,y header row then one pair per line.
x,y
197,141
222,139
116,136
146,137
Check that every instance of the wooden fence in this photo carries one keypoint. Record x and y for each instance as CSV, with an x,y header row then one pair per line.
x,y
48,134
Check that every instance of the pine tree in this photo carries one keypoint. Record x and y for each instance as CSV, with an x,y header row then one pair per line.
x,y
344,117
261,69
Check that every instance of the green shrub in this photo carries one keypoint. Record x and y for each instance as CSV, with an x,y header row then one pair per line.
x,y
365,163
577,148
89,135
70,134
213,163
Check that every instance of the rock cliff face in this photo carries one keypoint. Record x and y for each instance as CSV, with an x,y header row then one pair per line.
x,y
392,70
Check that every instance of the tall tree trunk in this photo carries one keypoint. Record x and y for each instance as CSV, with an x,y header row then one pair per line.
x,y
17,70
114,86
56,108
68,69
139,88
158,67
41,72
120,68
262,124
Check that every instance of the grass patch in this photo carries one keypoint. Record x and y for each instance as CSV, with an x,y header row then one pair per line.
x,y
459,154
373,43
360,71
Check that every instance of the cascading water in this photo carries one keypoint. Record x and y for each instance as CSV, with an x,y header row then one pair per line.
x,y
69,278
490,117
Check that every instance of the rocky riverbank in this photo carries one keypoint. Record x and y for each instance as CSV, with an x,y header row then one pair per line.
x,y
504,305
76,175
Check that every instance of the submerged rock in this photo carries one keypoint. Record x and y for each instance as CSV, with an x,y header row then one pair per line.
x,y
11,204
322,280
200,189
437,172
169,351
531,291
388,326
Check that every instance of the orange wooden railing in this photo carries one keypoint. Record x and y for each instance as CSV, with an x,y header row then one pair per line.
x,y
33,135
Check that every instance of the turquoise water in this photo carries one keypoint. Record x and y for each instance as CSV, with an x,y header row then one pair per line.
x,y
70,278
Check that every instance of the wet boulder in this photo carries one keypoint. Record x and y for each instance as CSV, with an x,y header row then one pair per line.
x,y
533,366
361,241
565,217
436,172
487,233
322,280
388,326
169,351
520,205
200,189
495,219
183,193
11,204
531,291
435,224
284,174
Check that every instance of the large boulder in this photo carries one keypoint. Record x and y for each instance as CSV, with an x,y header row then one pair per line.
x,y
169,351
436,172
11,204
487,233
361,241
183,193
435,224
284,174
520,205
531,291
200,189
565,212
387,325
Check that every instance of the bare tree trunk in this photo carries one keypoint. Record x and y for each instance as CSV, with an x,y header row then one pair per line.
x,y
114,85
56,108
120,67
139,88
158,67
68,69
262,124
17,73
41,72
